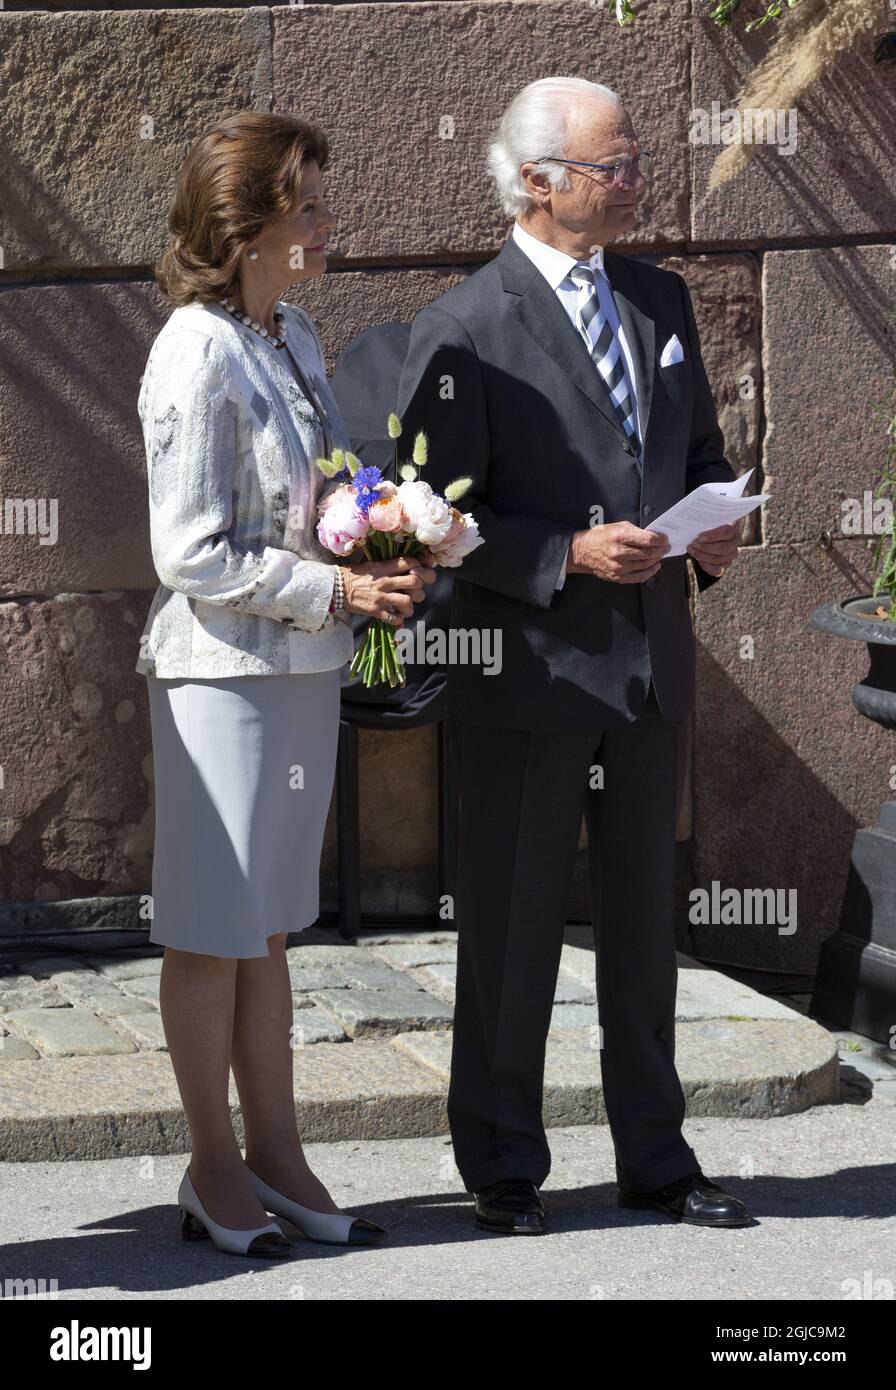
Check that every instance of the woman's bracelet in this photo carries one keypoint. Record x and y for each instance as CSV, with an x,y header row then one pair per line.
x,y
337,602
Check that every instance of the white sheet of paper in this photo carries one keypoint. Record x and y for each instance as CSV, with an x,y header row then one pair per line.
x,y
708,506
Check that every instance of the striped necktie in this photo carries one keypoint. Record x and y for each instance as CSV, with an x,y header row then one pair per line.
x,y
606,350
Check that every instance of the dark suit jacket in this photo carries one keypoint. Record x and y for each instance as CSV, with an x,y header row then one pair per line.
x,y
506,391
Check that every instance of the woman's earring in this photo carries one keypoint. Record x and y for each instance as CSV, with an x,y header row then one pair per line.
x,y
253,255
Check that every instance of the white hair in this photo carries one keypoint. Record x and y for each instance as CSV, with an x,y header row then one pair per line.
x,y
536,124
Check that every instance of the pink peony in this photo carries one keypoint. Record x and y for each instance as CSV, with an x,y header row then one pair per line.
x,y
342,491
387,513
341,527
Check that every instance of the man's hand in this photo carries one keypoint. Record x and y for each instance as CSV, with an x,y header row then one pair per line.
x,y
714,550
619,551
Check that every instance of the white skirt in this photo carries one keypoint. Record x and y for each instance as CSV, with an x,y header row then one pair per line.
x,y
244,772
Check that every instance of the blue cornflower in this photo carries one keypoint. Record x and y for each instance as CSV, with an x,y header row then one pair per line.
x,y
366,482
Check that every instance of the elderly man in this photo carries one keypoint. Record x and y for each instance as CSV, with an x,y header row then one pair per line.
x,y
567,381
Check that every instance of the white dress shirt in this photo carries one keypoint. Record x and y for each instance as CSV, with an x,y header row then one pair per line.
x,y
555,267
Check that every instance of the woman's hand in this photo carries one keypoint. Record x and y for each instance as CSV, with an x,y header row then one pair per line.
x,y
386,589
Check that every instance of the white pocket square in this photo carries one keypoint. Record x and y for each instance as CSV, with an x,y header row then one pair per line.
x,y
672,352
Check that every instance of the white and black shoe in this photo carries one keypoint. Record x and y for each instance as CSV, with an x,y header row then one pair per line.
x,y
267,1242
329,1227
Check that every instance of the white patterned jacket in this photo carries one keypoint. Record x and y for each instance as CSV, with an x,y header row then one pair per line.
x,y
231,440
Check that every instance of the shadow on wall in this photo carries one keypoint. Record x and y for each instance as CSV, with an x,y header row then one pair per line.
x,y
765,814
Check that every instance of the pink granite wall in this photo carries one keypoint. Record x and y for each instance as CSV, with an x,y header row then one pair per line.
x,y
791,272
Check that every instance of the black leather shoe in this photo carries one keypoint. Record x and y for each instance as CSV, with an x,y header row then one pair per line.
x,y
511,1207
694,1200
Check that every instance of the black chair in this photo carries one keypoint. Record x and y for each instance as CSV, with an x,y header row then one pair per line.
x,y
365,385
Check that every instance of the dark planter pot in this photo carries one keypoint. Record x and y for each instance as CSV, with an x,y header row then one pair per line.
x,y
875,696
855,987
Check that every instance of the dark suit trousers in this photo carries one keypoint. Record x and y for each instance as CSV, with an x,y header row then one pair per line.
x,y
522,799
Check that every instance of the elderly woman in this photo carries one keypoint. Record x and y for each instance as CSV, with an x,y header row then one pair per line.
x,y
242,650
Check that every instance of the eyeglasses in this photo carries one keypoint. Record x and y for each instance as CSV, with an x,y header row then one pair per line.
x,y
623,168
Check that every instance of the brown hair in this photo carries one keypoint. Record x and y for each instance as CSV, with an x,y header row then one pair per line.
x,y
236,178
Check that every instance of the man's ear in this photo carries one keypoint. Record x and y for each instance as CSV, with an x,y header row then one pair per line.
x,y
536,184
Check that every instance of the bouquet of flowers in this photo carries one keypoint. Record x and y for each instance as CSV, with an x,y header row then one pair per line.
x,y
380,520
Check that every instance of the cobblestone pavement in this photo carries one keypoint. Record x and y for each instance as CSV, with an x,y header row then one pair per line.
x,y
84,1070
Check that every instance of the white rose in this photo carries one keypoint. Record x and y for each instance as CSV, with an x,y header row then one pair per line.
x,y
429,515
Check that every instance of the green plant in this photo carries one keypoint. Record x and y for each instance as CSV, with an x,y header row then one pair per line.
x,y
721,12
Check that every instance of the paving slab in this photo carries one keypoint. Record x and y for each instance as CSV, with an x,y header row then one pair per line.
x,y
753,1068
573,986
400,937
366,1090
131,969
92,1107
352,973
85,987
326,955
417,953
756,1067
314,1025
571,1075
143,1028
119,1005
16,1049
66,1032
438,976
40,994
143,987
363,1012
705,994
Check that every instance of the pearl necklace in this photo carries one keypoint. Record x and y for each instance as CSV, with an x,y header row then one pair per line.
x,y
278,342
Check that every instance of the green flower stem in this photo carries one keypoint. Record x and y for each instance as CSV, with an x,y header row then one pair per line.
x,y
376,661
